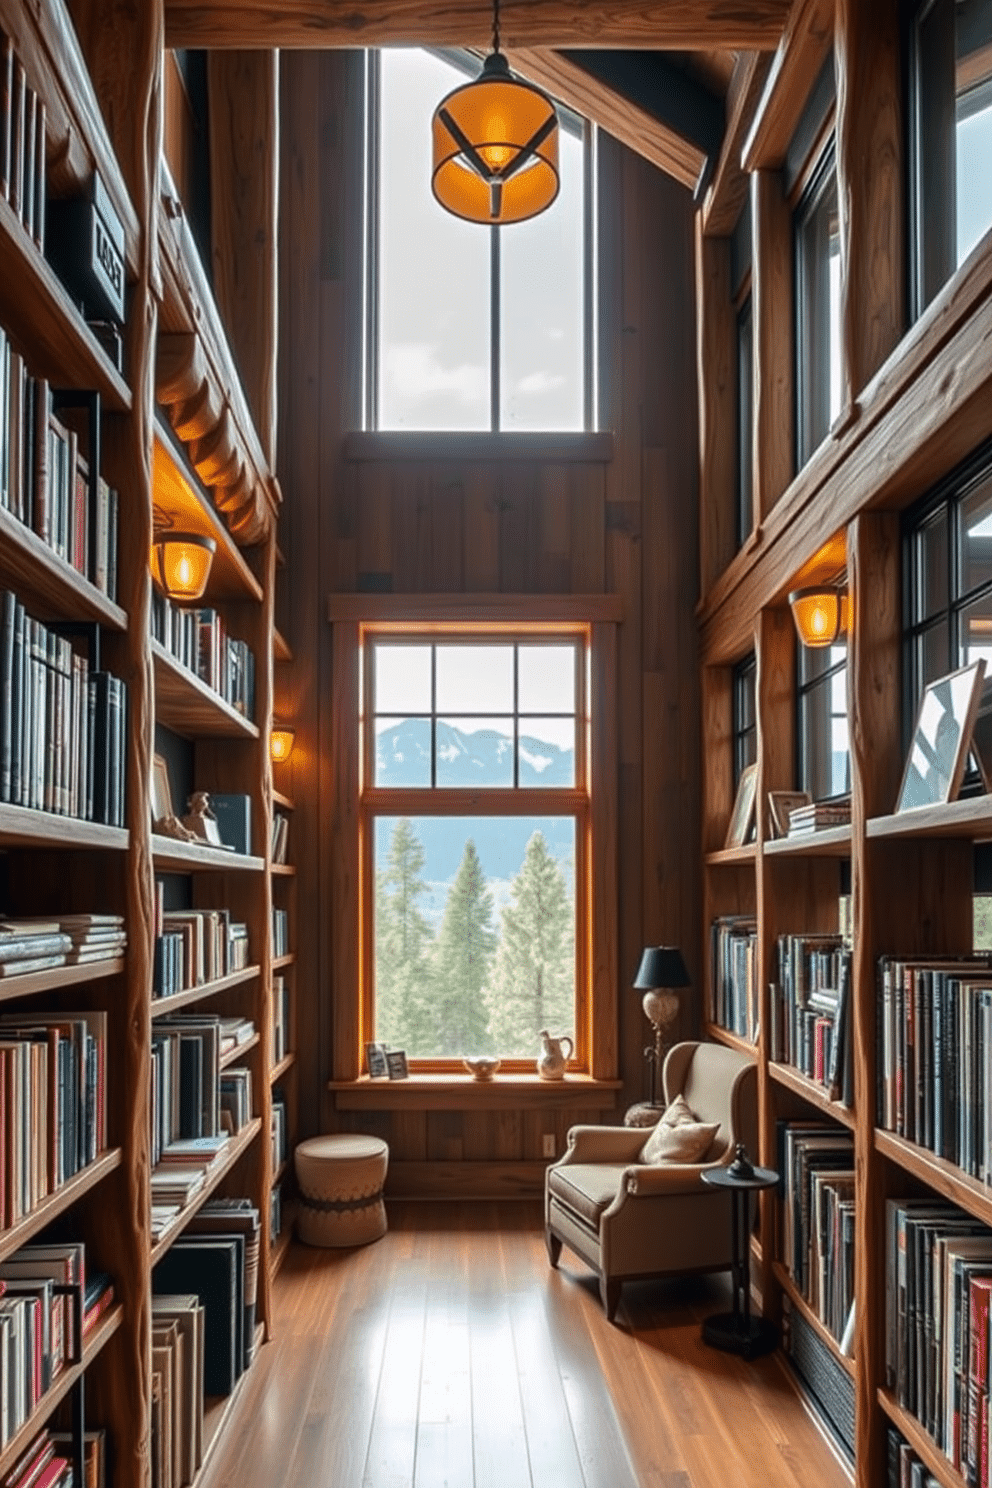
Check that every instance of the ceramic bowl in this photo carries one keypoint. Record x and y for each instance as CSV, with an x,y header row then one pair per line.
x,y
481,1066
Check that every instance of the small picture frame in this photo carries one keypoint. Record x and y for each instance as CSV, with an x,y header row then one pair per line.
x,y
942,737
375,1058
396,1064
742,816
161,791
780,803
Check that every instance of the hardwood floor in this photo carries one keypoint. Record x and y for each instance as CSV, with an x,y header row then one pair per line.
x,y
450,1355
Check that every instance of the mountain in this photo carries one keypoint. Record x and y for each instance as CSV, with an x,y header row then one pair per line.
x,y
483,758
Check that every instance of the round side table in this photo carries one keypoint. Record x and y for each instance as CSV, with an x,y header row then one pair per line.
x,y
737,1332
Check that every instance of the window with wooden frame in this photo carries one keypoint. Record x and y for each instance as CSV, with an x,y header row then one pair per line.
x,y
479,829
822,734
740,275
745,716
950,139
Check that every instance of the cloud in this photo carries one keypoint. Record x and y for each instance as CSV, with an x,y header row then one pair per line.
x,y
414,370
540,382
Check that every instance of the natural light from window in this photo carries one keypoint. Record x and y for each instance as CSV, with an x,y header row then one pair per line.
x,y
433,306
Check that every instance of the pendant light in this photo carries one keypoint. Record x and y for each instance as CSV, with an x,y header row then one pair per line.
x,y
181,563
281,742
495,157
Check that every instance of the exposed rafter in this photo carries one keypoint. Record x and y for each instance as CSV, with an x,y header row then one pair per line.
x,y
628,24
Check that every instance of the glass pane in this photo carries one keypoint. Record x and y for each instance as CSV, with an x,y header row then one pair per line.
x,y
474,922
933,655
825,739
818,342
976,633
547,751
402,751
475,679
542,308
936,740
746,752
433,289
814,661
745,395
402,679
931,567
474,753
745,678
546,679
975,538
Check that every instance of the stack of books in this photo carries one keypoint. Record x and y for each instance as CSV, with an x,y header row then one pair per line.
x,y
234,1032
734,974
816,1161
938,1289
810,1006
62,725
280,932
818,816
32,944
53,1120
94,937
935,1057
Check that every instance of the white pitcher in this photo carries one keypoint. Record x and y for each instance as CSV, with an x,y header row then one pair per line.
x,y
552,1058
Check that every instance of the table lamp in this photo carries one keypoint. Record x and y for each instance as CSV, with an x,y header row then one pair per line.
x,y
662,968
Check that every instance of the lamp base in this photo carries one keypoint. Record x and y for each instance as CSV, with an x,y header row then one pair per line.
x,y
643,1114
727,1331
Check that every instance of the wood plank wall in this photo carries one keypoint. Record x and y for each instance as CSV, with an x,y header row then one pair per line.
x,y
628,527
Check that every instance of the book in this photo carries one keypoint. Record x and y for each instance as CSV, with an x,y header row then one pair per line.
x,y
209,1267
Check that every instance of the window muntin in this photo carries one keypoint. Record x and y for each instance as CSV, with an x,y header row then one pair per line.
x,y
950,120
948,581
745,423
468,804
745,717
470,329
823,734
816,227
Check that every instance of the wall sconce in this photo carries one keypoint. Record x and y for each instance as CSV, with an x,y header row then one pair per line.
x,y
181,563
281,743
820,613
661,969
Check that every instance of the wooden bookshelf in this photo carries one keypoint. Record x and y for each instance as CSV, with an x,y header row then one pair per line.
x,y
102,1332
22,827
181,502
794,1080
946,1178
219,1410
162,1006
188,706
216,1172
58,1201
58,977
239,1051
731,857
280,963
283,1067
47,582
283,1240
921,1442
970,818
799,1302
830,842
732,1040
279,798
171,856
284,870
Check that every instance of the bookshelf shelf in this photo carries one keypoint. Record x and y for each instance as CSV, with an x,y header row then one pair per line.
x,y
280,963
732,857
792,1079
280,647
239,1051
191,708
56,1203
216,1172
58,977
22,827
102,1332
39,314
161,1006
971,818
44,581
284,870
937,1173
170,856
283,1067
218,1410
279,798
831,842
732,1040
284,1239
180,498
921,1441
799,1302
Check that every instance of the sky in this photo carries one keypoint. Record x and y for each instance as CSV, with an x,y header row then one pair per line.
x,y
434,298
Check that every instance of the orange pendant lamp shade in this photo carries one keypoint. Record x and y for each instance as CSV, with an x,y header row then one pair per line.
x,y
181,563
281,742
820,615
495,157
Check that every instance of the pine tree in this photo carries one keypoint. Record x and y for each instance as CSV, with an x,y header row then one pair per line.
x,y
402,944
533,982
462,961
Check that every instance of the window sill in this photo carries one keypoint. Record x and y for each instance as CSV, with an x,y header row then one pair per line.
x,y
461,1092
399,444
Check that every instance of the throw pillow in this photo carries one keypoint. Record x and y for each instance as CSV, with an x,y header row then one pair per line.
x,y
685,1143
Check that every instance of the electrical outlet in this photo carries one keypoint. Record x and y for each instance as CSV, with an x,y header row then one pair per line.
x,y
548,1144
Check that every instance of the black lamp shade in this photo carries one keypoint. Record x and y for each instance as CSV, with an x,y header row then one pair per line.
x,y
661,966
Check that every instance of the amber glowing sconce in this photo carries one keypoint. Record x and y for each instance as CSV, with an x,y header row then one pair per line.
x,y
181,563
821,614
281,745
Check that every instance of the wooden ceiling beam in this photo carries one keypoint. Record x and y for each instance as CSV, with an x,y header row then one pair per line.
x,y
629,24
634,127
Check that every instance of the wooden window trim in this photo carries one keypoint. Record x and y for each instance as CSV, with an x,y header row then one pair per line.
x,y
354,616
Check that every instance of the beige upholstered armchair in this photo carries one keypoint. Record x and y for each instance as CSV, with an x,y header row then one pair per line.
x,y
629,1219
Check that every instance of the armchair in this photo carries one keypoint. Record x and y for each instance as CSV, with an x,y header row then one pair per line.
x,y
627,1219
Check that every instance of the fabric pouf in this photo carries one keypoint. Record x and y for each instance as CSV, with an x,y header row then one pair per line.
x,y
341,1180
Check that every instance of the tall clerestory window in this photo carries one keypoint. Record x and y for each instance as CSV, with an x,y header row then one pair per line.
x,y
470,327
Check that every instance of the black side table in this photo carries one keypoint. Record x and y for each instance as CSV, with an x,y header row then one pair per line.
x,y
737,1332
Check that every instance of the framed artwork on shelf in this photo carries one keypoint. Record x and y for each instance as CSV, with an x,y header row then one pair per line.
x,y
375,1058
780,803
161,792
396,1064
742,816
942,737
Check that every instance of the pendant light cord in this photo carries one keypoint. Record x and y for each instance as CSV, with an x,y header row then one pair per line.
x,y
495,25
